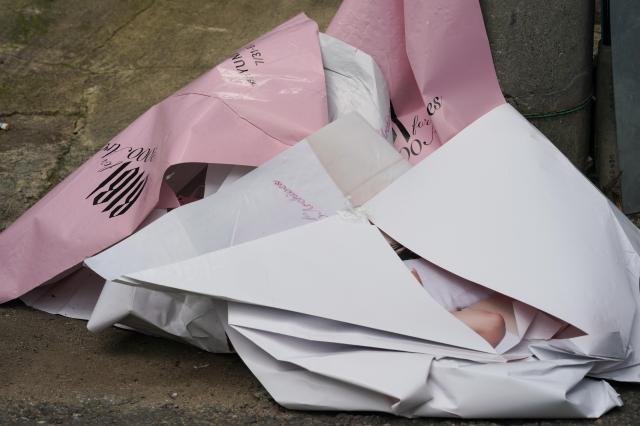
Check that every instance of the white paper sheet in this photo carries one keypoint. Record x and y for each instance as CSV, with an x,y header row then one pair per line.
x,y
508,211
537,232
355,84
73,296
330,377
298,187
303,269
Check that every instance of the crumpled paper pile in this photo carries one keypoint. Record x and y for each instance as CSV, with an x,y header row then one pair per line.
x,y
361,217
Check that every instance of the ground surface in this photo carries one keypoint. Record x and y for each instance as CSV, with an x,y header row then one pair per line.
x,y
72,74
54,371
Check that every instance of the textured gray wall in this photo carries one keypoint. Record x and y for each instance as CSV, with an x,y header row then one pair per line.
x,y
543,54
625,50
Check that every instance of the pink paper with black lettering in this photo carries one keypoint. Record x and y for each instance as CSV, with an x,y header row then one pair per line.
x,y
435,56
265,98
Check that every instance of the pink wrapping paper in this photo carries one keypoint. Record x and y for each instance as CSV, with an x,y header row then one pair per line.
x,y
265,98
435,56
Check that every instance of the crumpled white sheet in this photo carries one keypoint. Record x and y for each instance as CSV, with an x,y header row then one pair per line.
x,y
345,162
353,330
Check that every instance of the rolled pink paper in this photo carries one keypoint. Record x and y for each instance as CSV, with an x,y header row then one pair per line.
x,y
436,58
266,97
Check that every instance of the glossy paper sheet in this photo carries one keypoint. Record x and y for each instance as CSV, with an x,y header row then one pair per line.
x,y
436,59
264,99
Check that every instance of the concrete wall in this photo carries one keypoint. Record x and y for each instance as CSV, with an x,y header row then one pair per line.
x,y
543,54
